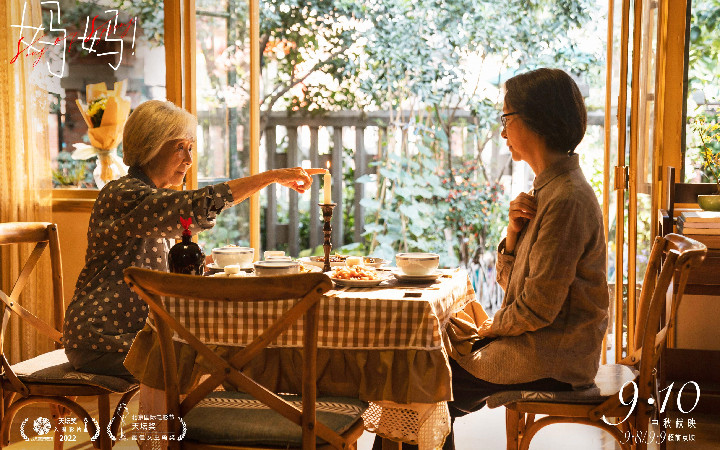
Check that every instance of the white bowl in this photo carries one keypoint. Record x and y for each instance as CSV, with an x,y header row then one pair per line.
x,y
225,256
270,254
276,267
417,264
278,258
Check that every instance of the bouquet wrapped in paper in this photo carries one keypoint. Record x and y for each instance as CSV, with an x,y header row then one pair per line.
x,y
105,114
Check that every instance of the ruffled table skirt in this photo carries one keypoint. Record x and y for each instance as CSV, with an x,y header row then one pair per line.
x,y
414,384
391,354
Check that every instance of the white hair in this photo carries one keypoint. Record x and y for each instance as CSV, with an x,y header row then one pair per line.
x,y
151,125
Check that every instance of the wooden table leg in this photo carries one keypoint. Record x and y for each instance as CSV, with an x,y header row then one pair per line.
x,y
104,420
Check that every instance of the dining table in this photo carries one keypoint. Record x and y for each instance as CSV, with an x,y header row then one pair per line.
x,y
382,344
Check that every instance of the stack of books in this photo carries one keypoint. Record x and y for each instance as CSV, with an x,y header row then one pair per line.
x,y
703,226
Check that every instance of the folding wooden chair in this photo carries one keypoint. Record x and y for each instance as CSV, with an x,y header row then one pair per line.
x,y
255,417
50,378
609,404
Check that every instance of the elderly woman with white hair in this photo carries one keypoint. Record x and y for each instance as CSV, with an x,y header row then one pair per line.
x,y
131,224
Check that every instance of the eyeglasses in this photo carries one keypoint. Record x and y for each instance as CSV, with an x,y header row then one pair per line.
x,y
503,118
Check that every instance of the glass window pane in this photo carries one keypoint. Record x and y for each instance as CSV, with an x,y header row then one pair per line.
x,y
222,49
646,131
89,43
703,101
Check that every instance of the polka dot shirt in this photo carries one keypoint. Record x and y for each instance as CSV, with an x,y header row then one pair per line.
x,y
131,224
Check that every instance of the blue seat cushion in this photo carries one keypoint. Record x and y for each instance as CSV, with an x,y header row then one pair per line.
x,y
236,418
608,381
54,368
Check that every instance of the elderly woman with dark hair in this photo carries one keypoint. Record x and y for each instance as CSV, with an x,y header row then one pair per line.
x,y
548,333
131,223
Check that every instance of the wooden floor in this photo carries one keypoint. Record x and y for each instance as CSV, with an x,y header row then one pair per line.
x,y
484,429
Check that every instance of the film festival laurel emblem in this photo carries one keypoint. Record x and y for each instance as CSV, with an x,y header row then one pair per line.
x,y
141,428
42,426
144,427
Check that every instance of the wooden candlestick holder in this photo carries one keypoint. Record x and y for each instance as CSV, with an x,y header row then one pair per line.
x,y
327,210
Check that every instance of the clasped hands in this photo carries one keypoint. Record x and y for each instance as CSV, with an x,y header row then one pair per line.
x,y
522,209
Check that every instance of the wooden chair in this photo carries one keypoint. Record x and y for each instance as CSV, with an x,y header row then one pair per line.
x,y
50,378
671,257
259,417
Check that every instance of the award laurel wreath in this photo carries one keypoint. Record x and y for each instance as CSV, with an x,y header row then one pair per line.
x,y
122,407
22,430
109,427
39,425
97,428
184,429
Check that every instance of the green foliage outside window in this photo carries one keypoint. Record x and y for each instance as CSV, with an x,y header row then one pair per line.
x,y
707,145
70,172
403,215
704,44
476,209
702,162
426,57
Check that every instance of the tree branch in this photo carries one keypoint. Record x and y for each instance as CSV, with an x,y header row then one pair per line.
x,y
264,39
282,90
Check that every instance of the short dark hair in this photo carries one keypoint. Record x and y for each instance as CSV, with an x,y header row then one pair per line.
x,y
550,104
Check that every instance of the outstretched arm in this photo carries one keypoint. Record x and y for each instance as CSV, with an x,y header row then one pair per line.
x,y
296,178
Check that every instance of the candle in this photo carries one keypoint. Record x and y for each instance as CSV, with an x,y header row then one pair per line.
x,y
327,197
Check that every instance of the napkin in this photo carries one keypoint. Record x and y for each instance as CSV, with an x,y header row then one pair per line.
x,y
461,332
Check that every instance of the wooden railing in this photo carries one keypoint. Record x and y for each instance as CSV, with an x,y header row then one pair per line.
x,y
386,124
339,123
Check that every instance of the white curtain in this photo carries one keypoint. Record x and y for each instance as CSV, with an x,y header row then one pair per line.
x,y
25,176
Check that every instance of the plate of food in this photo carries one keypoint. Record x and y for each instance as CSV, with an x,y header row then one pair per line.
x,y
336,260
356,276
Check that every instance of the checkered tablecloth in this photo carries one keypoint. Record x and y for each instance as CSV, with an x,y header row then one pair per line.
x,y
390,316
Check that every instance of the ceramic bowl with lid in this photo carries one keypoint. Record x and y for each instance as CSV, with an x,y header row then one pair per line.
x,y
417,264
225,256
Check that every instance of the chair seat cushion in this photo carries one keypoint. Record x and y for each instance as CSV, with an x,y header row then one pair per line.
x,y
608,381
236,418
54,368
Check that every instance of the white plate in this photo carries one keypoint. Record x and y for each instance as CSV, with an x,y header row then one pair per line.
x,y
376,262
417,278
357,283
320,264
310,269
234,275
